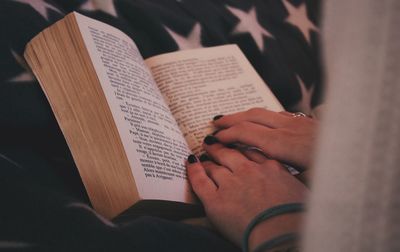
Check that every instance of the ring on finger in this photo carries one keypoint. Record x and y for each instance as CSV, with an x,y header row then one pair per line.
x,y
299,114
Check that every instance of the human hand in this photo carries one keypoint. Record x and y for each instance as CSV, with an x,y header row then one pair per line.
x,y
236,189
278,134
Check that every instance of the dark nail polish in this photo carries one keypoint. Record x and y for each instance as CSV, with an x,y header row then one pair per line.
x,y
231,145
209,140
204,157
215,132
217,117
192,159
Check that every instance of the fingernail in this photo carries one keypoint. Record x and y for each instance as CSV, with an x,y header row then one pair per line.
x,y
204,157
192,159
215,132
209,140
217,117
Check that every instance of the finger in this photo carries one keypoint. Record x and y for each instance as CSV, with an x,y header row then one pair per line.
x,y
254,155
230,158
202,185
286,113
256,115
217,173
252,134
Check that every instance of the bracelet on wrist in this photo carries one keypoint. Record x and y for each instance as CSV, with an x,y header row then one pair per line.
x,y
277,241
267,214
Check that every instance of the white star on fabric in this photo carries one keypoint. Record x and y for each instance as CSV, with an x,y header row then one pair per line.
x,y
304,104
26,75
249,24
193,40
106,6
40,6
298,17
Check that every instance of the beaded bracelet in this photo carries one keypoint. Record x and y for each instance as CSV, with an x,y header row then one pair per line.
x,y
269,213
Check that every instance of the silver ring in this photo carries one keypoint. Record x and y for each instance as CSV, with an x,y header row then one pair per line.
x,y
299,114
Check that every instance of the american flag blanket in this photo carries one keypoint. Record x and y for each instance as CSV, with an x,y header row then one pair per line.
x,y
44,206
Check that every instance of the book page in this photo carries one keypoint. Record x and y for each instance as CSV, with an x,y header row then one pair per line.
x,y
152,140
202,83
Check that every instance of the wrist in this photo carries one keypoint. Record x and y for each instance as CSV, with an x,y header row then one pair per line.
x,y
281,218
274,227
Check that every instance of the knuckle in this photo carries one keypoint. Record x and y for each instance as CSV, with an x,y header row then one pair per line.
x,y
216,153
273,165
227,134
216,173
258,174
247,166
223,154
254,111
242,126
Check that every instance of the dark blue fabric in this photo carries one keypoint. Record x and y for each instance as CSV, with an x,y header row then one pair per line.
x,y
38,215
44,206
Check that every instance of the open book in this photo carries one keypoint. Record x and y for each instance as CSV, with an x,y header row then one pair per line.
x,y
131,123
